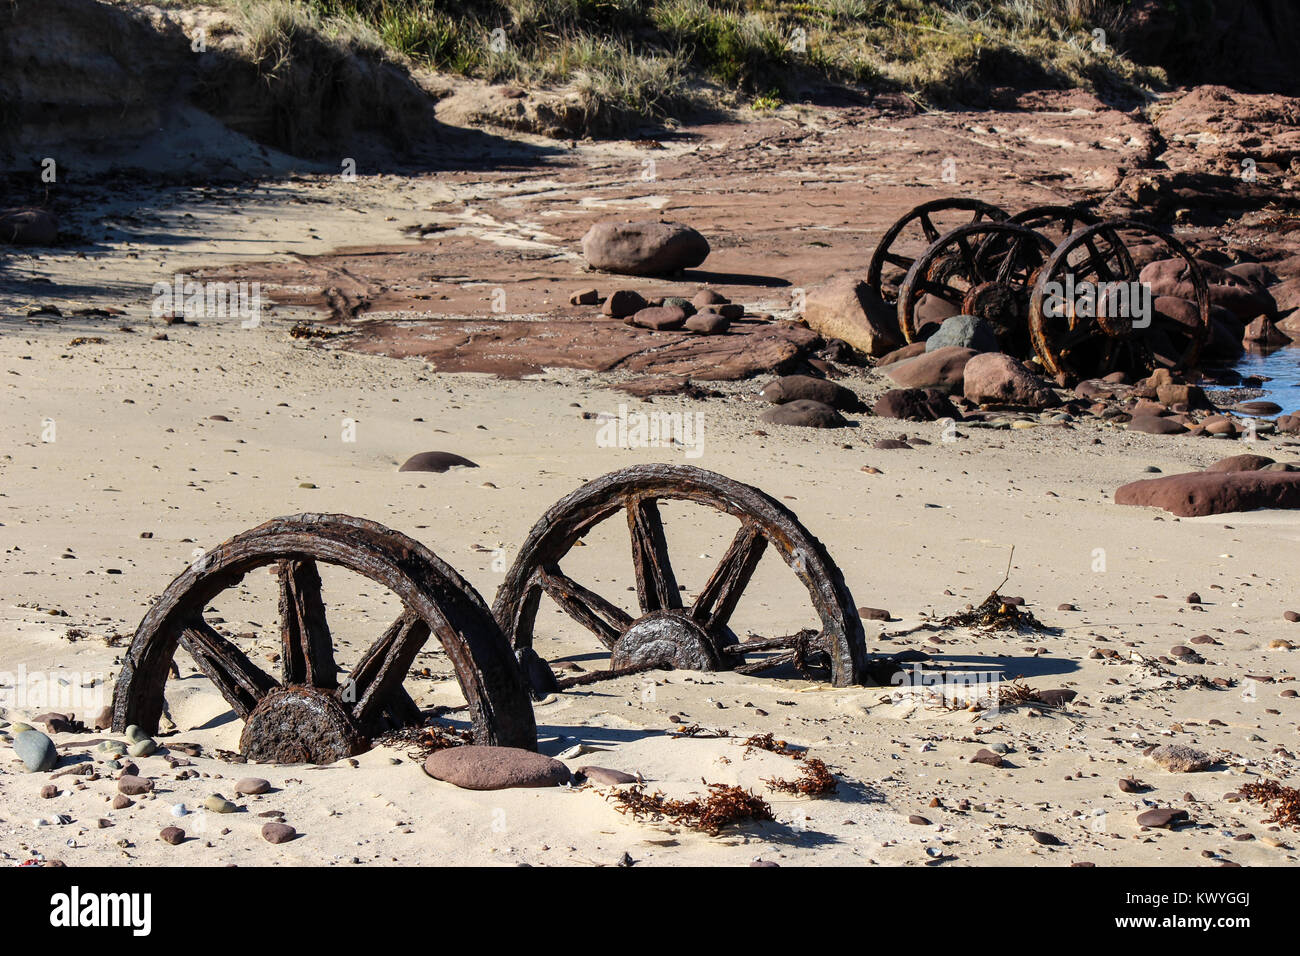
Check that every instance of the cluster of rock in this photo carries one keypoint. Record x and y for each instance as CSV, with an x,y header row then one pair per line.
x,y
706,313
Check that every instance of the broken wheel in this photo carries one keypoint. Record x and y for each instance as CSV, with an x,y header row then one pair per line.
x,y
1090,315
667,631
915,232
307,715
983,269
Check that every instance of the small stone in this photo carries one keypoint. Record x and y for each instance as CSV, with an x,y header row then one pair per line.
x,y
873,614
172,835
134,734
143,748
1291,616
1193,598
122,801
1130,785
219,804
584,297
1045,839
134,786
49,791
278,833
987,757
1162,818
252,785
606,777
920,821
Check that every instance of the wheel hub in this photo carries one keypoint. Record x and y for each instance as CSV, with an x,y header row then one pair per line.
x,y
299,724
666,639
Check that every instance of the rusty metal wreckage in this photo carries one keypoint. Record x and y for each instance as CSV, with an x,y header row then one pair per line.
x,y
995,266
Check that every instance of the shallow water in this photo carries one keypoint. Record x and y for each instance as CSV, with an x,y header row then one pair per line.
x,y
1282,367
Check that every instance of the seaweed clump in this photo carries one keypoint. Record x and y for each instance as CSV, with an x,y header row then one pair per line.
x,y
725,805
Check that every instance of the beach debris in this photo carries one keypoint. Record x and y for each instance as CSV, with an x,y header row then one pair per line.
x,y
307,715
668,633
725,805
815,779
1282,801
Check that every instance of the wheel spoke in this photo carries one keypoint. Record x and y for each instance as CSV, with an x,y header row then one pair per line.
x,y
376,682
605,620
308,655
716,602
928,227
240,681
656,587
896,259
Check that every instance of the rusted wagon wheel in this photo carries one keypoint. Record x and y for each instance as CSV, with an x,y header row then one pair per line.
x,y
984,269
667,632
307,715
1081,329
917,230
1054,221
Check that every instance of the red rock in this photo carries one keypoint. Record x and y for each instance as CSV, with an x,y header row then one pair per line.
x,y
643,248
659,318
584,297
915,404
475,767
623,302
278,833
606,777
942,369
172,835
435,461
1262,331
707,298
898,355
988,757
847,308
1243,298
1154,425
1208,493
134,786
1240,463
707,323
1162,818
992,378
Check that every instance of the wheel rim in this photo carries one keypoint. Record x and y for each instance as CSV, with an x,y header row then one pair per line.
x,y
637,491
434,597
923,217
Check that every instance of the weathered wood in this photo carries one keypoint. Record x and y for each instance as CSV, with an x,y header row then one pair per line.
x,y
717,601
308,650
384,667
239,680
656,586
588,608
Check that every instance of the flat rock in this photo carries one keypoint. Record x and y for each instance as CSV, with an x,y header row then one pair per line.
x,y
805,413
605,776
1156,425
1162,818
1240,463
659,318
1210,493
435,461
643,248
475,767
1179,758
707,322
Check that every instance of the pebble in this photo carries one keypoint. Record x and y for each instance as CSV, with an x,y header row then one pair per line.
x,y
49,791
1291,616
143,748
1162,817
172,835
920,821
134,786
252,785
179,810
219,804
988,757
134,734
1044,838
122,801
278,833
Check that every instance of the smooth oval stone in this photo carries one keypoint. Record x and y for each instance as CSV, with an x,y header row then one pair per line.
x,y
112,746
134,786
805,413
252,785
606,777
36,751
475,767
143,748
134,734
1162,818
172,835
278,833
219,804
435,461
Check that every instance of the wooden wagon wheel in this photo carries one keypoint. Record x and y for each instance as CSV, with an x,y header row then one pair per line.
x,y
920,228
1054,220
1081,329
984,269
307,715
669,633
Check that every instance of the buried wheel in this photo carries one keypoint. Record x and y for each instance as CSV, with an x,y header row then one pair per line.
x,y
308,715
915,232
985,270
668,631
1090,315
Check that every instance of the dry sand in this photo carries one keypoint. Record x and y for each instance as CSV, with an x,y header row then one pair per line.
x,y
136,451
